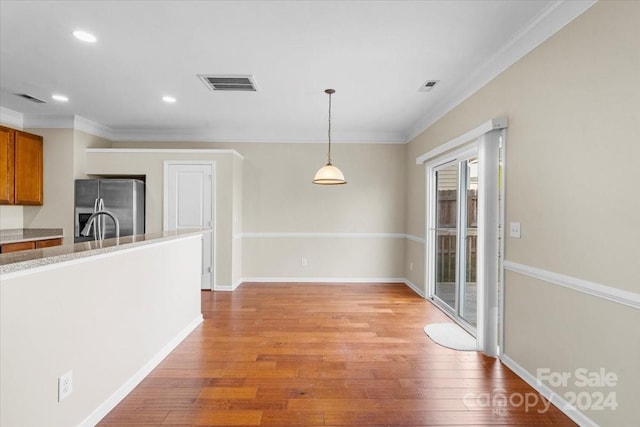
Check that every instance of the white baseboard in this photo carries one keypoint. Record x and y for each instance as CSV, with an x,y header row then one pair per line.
x,y
415,288
558,401
323,280
105,407
228,288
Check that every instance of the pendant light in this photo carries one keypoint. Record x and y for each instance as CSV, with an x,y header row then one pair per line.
x,y
329,174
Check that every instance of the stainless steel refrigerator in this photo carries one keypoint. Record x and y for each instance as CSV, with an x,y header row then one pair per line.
x,y
122,197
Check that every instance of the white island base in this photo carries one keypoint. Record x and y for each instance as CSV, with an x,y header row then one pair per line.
x,y
109,318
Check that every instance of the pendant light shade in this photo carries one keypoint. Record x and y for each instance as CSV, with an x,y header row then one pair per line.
x,y
329,174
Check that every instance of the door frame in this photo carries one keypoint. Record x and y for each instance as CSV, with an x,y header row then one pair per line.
x,y
490,140
431,168
165,213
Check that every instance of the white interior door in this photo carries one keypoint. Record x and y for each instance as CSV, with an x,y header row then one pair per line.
x,y
189,204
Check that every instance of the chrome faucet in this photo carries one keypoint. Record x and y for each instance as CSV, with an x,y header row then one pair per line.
x,y
99,235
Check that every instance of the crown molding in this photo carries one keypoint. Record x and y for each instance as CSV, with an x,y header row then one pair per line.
x,y
68,122
93,128
210,135
557,15
11,118
166,150
166,135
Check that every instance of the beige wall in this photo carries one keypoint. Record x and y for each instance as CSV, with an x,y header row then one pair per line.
x,y
57,208
573,106
82,141
105,318
278,197
11,217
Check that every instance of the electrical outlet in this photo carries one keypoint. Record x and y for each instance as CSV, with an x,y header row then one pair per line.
x,y
514,229
65,385
410,266
304,262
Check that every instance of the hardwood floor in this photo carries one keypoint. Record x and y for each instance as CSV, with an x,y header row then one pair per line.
x,y
326,355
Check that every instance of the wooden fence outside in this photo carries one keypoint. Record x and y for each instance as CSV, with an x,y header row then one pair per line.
x,y
446,243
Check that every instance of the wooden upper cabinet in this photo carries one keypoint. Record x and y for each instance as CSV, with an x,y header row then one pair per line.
x,y
28,169
21,167
7,146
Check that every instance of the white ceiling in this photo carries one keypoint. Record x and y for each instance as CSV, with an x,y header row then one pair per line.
x,y
376,54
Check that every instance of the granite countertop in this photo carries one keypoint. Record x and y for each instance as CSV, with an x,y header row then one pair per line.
x,y
24,260
17,235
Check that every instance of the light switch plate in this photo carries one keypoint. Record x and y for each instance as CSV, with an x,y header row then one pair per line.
x,y
514,229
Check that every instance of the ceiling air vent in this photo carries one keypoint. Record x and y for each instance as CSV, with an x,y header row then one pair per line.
x,y
230,83
428,85
31,98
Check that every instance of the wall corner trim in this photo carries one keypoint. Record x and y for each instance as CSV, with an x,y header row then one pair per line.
x,y
488,126
558,401
105,407
620,296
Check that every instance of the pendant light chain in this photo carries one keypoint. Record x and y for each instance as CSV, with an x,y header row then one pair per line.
x,y
329,154
329,174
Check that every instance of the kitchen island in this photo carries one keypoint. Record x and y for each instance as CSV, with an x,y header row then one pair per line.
x,y
108,312
25,261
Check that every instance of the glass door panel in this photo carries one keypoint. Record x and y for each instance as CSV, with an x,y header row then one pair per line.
x,y
456,240
446,232
469,230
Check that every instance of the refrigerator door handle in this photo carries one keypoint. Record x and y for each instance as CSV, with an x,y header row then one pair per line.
x,y
96,223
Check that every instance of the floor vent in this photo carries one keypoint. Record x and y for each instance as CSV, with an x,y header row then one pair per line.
x,y
31,98
428,85
229,83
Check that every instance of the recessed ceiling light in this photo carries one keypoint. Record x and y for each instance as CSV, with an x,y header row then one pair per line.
x,y
60,98
168,99
84,36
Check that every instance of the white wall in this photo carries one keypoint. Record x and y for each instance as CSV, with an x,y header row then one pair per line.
x,y
571,181
105,318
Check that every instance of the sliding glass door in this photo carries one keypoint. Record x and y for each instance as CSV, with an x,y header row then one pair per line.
x,y
455,221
